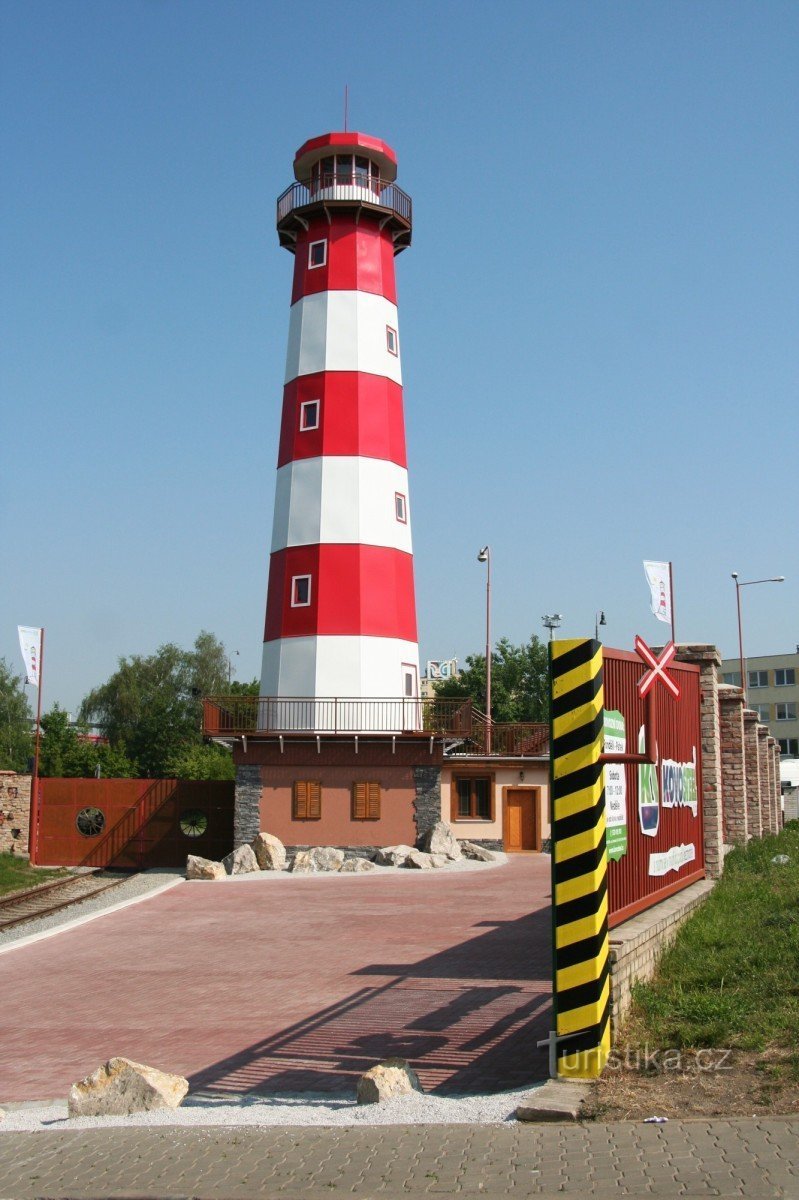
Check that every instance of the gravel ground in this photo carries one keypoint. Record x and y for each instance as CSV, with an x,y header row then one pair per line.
x,y
133,887
308,1109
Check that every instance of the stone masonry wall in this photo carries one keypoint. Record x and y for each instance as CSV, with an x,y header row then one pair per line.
x,y
733,764
15,806
776,788
709,660
753,818
427,805
764,761
247,813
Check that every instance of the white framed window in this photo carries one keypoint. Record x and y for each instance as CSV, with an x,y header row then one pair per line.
x,y
789,747
785,711
733,677
757,678
784,677
401,508
317,254
309,415
409,685
392,345
300,591
763,712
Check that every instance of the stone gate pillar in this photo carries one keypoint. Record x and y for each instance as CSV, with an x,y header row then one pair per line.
x,y
753,817
733,765
776,789
708,660
764,759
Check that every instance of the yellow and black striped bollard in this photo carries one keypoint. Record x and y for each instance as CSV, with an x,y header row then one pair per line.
x,y
581,993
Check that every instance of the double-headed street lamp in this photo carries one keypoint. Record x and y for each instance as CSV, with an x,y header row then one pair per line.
x,y
485,556
738,585
552,622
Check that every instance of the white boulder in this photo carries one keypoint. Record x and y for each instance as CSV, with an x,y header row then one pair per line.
x,y
319,859
417,860
269,851
120,1087
241,861
388,1079
441,840
392,856
204,868
478,853
356,866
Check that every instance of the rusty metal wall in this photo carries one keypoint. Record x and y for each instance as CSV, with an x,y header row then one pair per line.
x,y
630,886
141,822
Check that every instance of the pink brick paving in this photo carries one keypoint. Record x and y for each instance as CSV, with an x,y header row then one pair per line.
x,y
293,985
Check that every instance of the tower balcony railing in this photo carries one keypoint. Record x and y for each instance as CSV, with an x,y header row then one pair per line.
x,y
236,716
347,190
453,719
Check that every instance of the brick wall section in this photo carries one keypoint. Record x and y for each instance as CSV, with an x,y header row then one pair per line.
x,y
753,818
764,759
15,807
709,660
637,944
776,787
733,764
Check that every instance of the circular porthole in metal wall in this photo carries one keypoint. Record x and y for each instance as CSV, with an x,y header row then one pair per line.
x,y
193,823
90,821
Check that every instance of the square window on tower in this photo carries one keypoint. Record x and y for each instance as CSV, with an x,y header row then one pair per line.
x,y
309,415
391,340
300,591
317,254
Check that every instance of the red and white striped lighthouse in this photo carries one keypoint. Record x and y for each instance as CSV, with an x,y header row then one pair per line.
x,y
340,610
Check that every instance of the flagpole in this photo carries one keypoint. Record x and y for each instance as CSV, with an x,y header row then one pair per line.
x,y
33,826
671,594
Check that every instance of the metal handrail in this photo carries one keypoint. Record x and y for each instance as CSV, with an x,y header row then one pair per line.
x,y
343,189
234,716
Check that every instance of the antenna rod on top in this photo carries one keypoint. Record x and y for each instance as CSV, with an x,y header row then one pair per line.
x,y
346,104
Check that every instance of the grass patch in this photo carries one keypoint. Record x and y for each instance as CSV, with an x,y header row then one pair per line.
x,y
731,977
16,873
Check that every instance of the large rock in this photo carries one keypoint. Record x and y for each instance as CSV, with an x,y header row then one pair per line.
x,y
439,860
392,856
120,1087
355,866
269,851
241,861
203,868
441,840
388,1079
318,859
478,853
418,861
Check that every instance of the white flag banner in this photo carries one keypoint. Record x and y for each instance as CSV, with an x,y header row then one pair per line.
x,y
658,576
30,642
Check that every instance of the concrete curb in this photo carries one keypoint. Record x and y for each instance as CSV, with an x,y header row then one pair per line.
x,y
555,1100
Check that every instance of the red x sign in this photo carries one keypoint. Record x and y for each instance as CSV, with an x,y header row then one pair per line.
x,y
658,666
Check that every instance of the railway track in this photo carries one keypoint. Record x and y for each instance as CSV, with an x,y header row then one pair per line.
x,y
38,902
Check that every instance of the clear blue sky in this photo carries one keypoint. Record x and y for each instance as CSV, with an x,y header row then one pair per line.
x,y
599,310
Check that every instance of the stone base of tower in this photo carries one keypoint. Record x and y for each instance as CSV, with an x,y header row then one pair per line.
x,y
312,792
273,785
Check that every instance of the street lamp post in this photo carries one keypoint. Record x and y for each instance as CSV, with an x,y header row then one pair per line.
x,y
485,556
599,619
738,585
552,622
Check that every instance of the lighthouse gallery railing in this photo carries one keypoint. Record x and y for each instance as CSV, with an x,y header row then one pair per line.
x,y
388,196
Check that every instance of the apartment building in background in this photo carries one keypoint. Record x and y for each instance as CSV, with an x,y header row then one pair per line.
x,y
772,690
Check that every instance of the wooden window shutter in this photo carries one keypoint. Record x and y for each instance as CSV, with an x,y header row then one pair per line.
x,y
307,804
314,800
366,802
373,801
359,801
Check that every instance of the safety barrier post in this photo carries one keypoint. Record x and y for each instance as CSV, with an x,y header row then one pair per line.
x,y
581,979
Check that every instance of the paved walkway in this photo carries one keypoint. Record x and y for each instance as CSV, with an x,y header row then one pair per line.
x,y
284,985
750,1158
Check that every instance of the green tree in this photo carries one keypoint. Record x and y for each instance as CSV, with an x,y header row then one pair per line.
x,y
151,707
65,755
519,681
209,761
16,721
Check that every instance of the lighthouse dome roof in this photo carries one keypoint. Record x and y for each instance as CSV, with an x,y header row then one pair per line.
x,y
341,143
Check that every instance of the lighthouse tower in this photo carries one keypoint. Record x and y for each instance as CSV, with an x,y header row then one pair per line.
x,y
340,610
